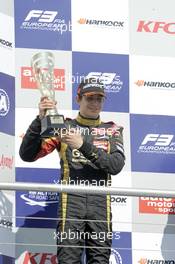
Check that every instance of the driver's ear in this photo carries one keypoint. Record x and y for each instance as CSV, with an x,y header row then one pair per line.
x,y
78,99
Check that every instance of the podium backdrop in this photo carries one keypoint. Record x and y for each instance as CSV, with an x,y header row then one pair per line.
x,y
130,45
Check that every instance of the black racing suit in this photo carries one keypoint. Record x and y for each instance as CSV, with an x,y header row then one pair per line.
x,y
85,219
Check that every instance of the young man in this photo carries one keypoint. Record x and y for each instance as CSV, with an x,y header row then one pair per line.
x,y
90,151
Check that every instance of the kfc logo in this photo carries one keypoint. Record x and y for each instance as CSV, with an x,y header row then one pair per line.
x,y
39,258
156,26
6,162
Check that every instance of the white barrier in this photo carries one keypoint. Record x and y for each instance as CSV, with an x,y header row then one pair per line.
x,y
86,189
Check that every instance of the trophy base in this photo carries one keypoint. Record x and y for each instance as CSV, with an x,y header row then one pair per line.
x,y
51,125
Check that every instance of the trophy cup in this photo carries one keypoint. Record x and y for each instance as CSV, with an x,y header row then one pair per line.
x,y
43,69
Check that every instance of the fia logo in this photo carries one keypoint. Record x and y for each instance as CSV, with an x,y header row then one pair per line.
x,y
115,257
4,103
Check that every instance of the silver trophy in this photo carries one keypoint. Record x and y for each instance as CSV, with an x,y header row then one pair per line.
x,y
43,69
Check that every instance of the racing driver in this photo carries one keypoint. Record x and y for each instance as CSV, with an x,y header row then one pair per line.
x,y
90,152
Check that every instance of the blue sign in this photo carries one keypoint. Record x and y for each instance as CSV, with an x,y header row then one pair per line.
x,y
7,104
111,69
121,240
32,205
43,24
152,143
6,260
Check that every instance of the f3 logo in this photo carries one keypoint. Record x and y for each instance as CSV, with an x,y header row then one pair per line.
x,y
160,140
44,16
104,77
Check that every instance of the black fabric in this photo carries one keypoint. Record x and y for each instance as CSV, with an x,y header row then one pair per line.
x,y
81,234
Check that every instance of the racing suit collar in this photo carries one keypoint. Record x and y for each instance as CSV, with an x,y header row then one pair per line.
x,y
88,121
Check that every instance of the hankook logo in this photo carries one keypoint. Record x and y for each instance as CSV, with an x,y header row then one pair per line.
x,y
101,23
5,43
155,261
6,223
155,84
